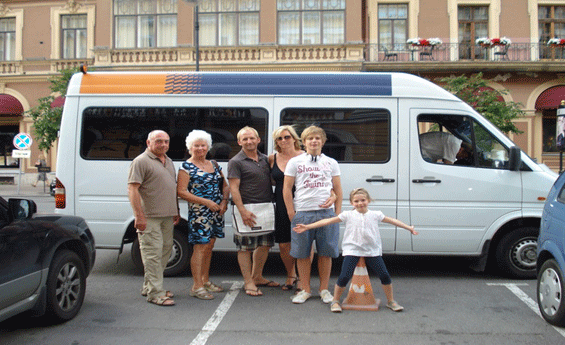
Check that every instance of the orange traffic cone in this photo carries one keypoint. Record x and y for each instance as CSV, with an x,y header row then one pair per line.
x,y
360,296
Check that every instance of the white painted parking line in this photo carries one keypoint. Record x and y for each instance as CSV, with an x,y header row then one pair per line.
x,y
526,299
219,314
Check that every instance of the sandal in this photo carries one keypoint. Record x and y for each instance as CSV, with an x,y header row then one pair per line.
x,y
269,283
287,287
167,293
201,293
163,301
211,287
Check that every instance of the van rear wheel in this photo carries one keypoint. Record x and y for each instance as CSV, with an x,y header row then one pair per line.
x,y
179,261
516,253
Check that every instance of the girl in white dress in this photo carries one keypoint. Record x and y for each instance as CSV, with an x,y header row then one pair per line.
x,y
361,239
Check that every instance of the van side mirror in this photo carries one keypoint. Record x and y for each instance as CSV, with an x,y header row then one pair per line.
x,y
21,209
514,158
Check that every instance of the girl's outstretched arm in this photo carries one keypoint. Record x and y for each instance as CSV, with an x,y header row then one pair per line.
x,y
398,223
300,228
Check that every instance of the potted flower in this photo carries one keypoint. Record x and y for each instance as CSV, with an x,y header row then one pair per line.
x,y
556,42
502,41
483,42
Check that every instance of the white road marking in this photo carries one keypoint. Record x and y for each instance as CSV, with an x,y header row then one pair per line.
x,y
526,299
219,314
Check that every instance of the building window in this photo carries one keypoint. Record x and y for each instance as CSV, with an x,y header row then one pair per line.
x,y
473,24
393,26
7,39
229,22
145,23
551,25
311,22
74,36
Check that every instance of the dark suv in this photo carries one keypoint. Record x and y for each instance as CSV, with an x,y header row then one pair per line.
x,y
44,261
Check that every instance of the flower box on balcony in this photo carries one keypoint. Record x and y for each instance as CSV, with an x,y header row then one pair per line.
x,y
556,42
491,42
419,42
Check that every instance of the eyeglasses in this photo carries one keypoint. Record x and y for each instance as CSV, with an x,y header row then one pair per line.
x,y
286,137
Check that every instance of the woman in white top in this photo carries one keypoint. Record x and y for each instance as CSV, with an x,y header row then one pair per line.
x,y
361,239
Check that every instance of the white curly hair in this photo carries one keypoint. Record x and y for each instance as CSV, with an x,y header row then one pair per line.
x,y
197,135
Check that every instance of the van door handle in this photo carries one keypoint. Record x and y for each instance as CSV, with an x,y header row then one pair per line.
x,y
380,179
426,181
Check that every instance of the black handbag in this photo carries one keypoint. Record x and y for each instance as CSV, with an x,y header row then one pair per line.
x,y
221,179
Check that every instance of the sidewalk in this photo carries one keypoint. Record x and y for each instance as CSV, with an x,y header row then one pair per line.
x,y
25,190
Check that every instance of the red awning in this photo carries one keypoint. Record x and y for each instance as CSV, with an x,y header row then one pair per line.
x,y
58,102
551,98
9,105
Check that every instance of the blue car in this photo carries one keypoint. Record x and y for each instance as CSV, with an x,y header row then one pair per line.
x,y
551,256
44,261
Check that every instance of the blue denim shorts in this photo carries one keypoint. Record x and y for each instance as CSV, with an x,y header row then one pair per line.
x,y
327,237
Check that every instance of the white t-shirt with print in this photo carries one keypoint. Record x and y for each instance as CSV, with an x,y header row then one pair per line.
x,y
313,180
362,236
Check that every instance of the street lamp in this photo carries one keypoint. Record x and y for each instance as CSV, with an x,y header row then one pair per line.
x,y
196,33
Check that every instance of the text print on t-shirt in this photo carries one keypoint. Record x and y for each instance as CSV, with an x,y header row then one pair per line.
x,y
318,176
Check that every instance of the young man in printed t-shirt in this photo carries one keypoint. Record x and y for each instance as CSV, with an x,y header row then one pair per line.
x,y
314,175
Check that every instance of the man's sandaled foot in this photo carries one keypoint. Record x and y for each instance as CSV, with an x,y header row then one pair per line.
x,y
163,301
253,292
268,283
167,293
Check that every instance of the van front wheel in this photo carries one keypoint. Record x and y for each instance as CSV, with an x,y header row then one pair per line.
x,y
179,261
516,253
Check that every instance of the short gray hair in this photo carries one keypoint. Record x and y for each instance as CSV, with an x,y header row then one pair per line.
x,y
196,135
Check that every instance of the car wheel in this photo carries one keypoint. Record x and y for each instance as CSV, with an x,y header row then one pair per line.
x,y
66,285
516,253
550,292
179,261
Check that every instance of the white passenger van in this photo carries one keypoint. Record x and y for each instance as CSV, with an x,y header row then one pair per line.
x,y
489,207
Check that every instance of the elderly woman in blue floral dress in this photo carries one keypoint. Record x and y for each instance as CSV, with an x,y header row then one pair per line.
x,y
200,182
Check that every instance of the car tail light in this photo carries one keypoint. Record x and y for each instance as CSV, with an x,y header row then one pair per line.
x,y
60,196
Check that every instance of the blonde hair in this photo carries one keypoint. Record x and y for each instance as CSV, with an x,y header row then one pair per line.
x,y
312,130
245,129
277,133
361,191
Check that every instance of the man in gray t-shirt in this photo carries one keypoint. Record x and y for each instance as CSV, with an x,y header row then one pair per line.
x,y
250,183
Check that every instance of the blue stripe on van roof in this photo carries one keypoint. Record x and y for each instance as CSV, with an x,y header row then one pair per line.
x,y
280,84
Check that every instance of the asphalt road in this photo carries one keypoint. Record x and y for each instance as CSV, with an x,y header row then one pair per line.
x,y
445,301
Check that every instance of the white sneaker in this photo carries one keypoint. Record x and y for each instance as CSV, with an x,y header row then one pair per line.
x,y
326,296
301,297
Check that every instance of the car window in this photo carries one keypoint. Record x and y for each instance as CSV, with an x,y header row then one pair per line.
x,y
561,195
353,135
459,140
120,133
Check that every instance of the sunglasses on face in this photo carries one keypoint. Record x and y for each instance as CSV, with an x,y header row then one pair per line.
x,y
286,137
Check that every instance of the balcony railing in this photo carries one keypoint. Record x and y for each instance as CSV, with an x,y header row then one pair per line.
x,y
323,56
464,52
229,55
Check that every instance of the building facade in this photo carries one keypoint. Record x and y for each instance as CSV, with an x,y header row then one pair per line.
x,y
516,44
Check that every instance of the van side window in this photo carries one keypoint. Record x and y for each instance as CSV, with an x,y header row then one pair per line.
x,y
561,196
354,135
121,132
459,140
